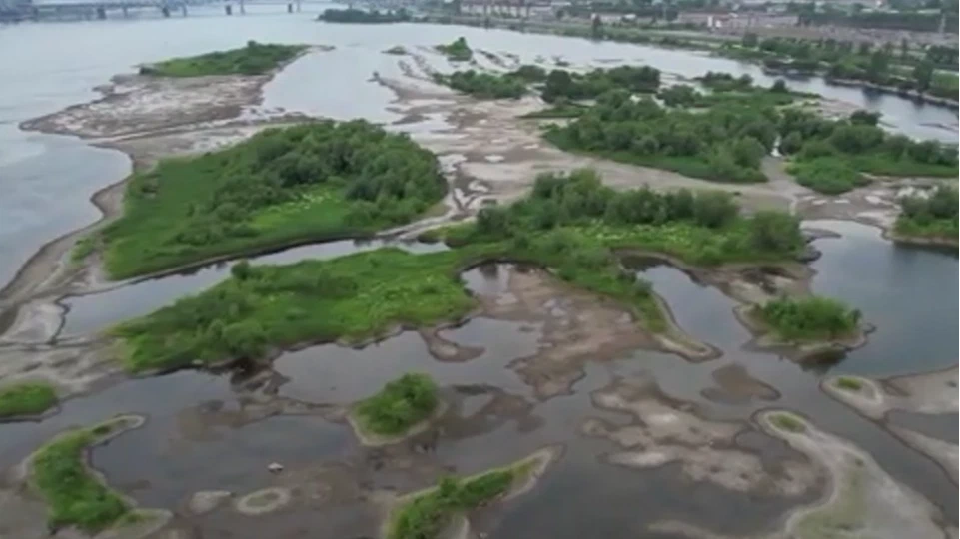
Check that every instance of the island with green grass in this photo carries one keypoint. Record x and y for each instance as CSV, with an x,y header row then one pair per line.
x,y
26,399
313,182
456,51
929,219
254,59
425,514
360,16
75,496
402,408
569,223
806,320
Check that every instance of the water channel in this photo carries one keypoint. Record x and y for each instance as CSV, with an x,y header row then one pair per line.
x,y
216,431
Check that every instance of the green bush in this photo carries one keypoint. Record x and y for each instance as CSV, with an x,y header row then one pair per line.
x,y
26,398
484,85
810,317
401,404
933,216
425,516
458,51
254,59
827,175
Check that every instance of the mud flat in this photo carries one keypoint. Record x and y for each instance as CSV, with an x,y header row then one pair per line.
x,y
924,393
576,326
863,501
927,393
671,431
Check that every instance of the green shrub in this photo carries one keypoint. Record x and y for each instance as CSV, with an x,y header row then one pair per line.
x,y
254,59
810,317
425,516
401,404
827,175
458,51
933,216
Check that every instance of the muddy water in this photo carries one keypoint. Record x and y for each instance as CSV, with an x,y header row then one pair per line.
x,y
96,311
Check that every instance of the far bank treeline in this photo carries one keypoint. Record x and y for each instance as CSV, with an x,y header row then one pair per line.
x,y
571,224
360,16
254,59
313,182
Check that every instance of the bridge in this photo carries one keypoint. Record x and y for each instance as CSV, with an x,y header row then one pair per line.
x,y
37,10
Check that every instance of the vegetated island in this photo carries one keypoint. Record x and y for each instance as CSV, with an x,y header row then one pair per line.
x,y
832,156
254,59
404,407
558,86
457,51
26,399
360,16
312,182
73,492
812,325
571,224
930,219
741,124
425,514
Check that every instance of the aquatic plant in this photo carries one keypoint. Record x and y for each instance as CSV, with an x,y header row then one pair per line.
x,y
26,398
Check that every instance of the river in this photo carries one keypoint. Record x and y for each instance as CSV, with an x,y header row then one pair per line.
x,y
208,431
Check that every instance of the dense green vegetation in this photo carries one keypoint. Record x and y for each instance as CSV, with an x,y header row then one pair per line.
x,y
725,89
723,143
254,59
569,223
73,495
458,51
360,16
933,216
561,84
483,85
317,181
401,404
561,110
808,318
26,399
890,66
425,516
830,155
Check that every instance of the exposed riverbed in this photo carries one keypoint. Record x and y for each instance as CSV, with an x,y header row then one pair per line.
x,y
648,437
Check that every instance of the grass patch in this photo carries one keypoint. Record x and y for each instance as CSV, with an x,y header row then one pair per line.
x,y
827,175
254,59
84,247
26,399
424,516
934,216
73,495
400,405
808,318
319,181
788,422
848,383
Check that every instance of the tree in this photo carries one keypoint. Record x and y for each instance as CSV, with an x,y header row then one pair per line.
x,y
863,117
904,48
245,339
923,75
713,209
779,86
750,40
241,270
775,231
791,143
879,62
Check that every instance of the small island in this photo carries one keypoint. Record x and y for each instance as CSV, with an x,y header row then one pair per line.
x,y
404,407
359,16
930,219
811,325
254,59
572,224
457,51
27,399
313,182
73,492
425,514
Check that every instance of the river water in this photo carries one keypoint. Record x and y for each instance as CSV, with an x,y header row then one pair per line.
x,y
203,430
